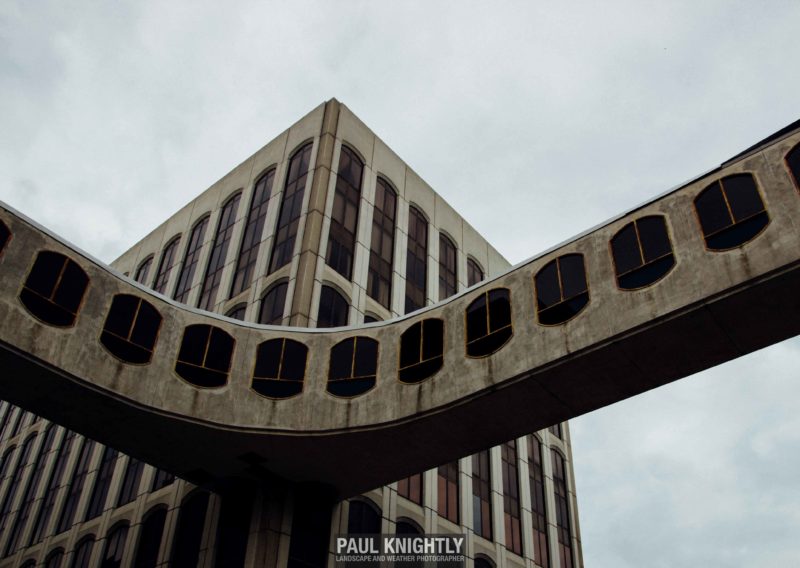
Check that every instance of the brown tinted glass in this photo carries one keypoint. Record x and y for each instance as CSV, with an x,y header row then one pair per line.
x,y
353,366
482,494
541,550
511,503
448,282
219,252
54,289
190,260
416,261
291,207
280,368
562,510
253,231
447,495
421,351
131,329
344,216
165,265
381,254
474,272
205,356
410,488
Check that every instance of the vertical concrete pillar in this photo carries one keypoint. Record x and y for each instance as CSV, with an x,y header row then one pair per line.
x,y
312,234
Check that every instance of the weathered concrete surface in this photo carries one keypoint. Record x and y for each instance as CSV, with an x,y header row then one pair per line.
x,y
712,307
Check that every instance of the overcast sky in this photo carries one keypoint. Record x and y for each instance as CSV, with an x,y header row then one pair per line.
x,y
535,120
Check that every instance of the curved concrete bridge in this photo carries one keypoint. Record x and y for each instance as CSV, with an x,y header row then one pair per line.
x,y
701,275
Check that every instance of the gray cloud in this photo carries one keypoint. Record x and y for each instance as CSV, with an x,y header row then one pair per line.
x,y
536,121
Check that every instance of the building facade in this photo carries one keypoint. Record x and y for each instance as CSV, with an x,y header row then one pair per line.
x,y
324,226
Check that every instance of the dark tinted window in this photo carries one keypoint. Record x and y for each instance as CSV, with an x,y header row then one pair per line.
x,y
421,351
448,283
233,526
344,216
115,547
97,502
165,265
143,271
131,329
482,494
205,356
407,527
562,510
272,305
793,162
161,479
189,531
353,366
731,212
82,556
488,322
541,550
333,308
5,235
219,252
642,252
54,482
14,483
237,312
416,261
75,488
363,518
130,481
190,261
54,559
253,230
280,368
561,290
150,539
474,272
381,250
54,289
447,505
483,563
291,207
511,504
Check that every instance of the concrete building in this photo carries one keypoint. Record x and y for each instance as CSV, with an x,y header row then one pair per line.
x,y
322,227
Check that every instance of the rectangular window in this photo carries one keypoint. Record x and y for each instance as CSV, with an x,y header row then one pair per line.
x,y
482,494
411,488
381,252
344,216
511,508
541,551
416,261
448,491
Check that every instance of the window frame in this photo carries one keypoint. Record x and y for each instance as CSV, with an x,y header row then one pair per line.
x,y
635,224
178,360
485,295
353,377
302,382
80,305
201,225
421,323
561,287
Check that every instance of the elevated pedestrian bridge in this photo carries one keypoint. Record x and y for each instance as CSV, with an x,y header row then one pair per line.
x,y
701,275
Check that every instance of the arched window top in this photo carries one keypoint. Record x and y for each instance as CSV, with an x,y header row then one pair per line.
x,y
474,272
561,289
168,258
483,562
83,552
416,261
488,321
143,270
5,236
30,563
364,517
448,281
205,356
642,252
421,351
731,212
131,329
333,308
353,366
237,312
54,289
54,558
793,163
273,304
280,368
351,165
115,546
219,252
407,526
150,536
387,184
190,259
